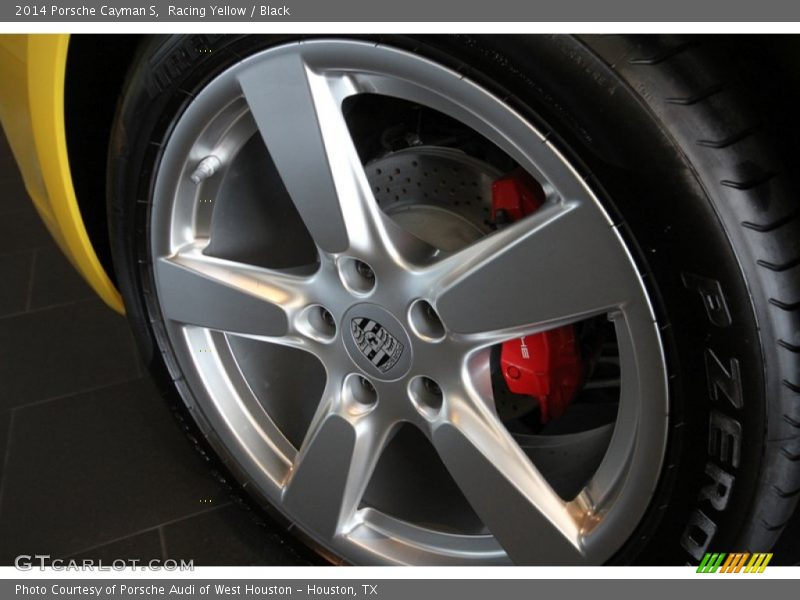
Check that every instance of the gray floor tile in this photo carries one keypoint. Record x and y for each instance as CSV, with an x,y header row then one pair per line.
x,y
13,196
227,537
63,350
22,229
142,547
94,468
55,280
15,273
5,422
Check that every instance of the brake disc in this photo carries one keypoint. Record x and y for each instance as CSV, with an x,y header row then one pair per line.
x,y
441,195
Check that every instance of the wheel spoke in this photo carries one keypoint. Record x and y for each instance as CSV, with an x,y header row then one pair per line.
x,y
298,113
333,468
530,521
562,264
195,289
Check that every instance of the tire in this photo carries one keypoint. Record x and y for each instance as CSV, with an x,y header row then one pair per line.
x,y
672,145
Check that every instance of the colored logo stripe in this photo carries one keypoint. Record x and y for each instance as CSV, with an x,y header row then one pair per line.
x,y
758,563
710,563
734,562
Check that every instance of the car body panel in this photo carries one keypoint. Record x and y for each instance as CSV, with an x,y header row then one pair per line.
x,y
32,72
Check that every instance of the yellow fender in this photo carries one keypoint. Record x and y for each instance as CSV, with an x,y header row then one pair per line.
x,y
33,70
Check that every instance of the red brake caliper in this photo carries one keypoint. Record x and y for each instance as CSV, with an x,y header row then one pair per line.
x,y
545,365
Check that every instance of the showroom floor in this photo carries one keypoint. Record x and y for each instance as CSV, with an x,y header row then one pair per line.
x,y
92,463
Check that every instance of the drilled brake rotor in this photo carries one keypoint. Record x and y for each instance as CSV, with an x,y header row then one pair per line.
x,y
441,195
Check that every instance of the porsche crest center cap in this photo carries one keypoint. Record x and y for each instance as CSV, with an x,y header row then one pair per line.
x,y
377,341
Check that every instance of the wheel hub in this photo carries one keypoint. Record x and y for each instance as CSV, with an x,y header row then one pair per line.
x,y
376,341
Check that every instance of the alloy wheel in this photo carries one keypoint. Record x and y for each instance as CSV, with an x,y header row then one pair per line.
x,y
373,317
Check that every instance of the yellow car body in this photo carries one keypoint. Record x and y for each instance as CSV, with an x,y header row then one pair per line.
x,y
32,76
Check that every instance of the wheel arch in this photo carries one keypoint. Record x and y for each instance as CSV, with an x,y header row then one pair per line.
x,y
95,71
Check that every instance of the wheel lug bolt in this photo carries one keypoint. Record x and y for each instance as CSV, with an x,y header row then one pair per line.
x,y
426,396
425,321
364,270
357,276
367,385
317,322
432,386
358,394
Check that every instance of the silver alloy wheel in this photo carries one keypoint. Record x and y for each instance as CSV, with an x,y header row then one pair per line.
x,y
371,274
